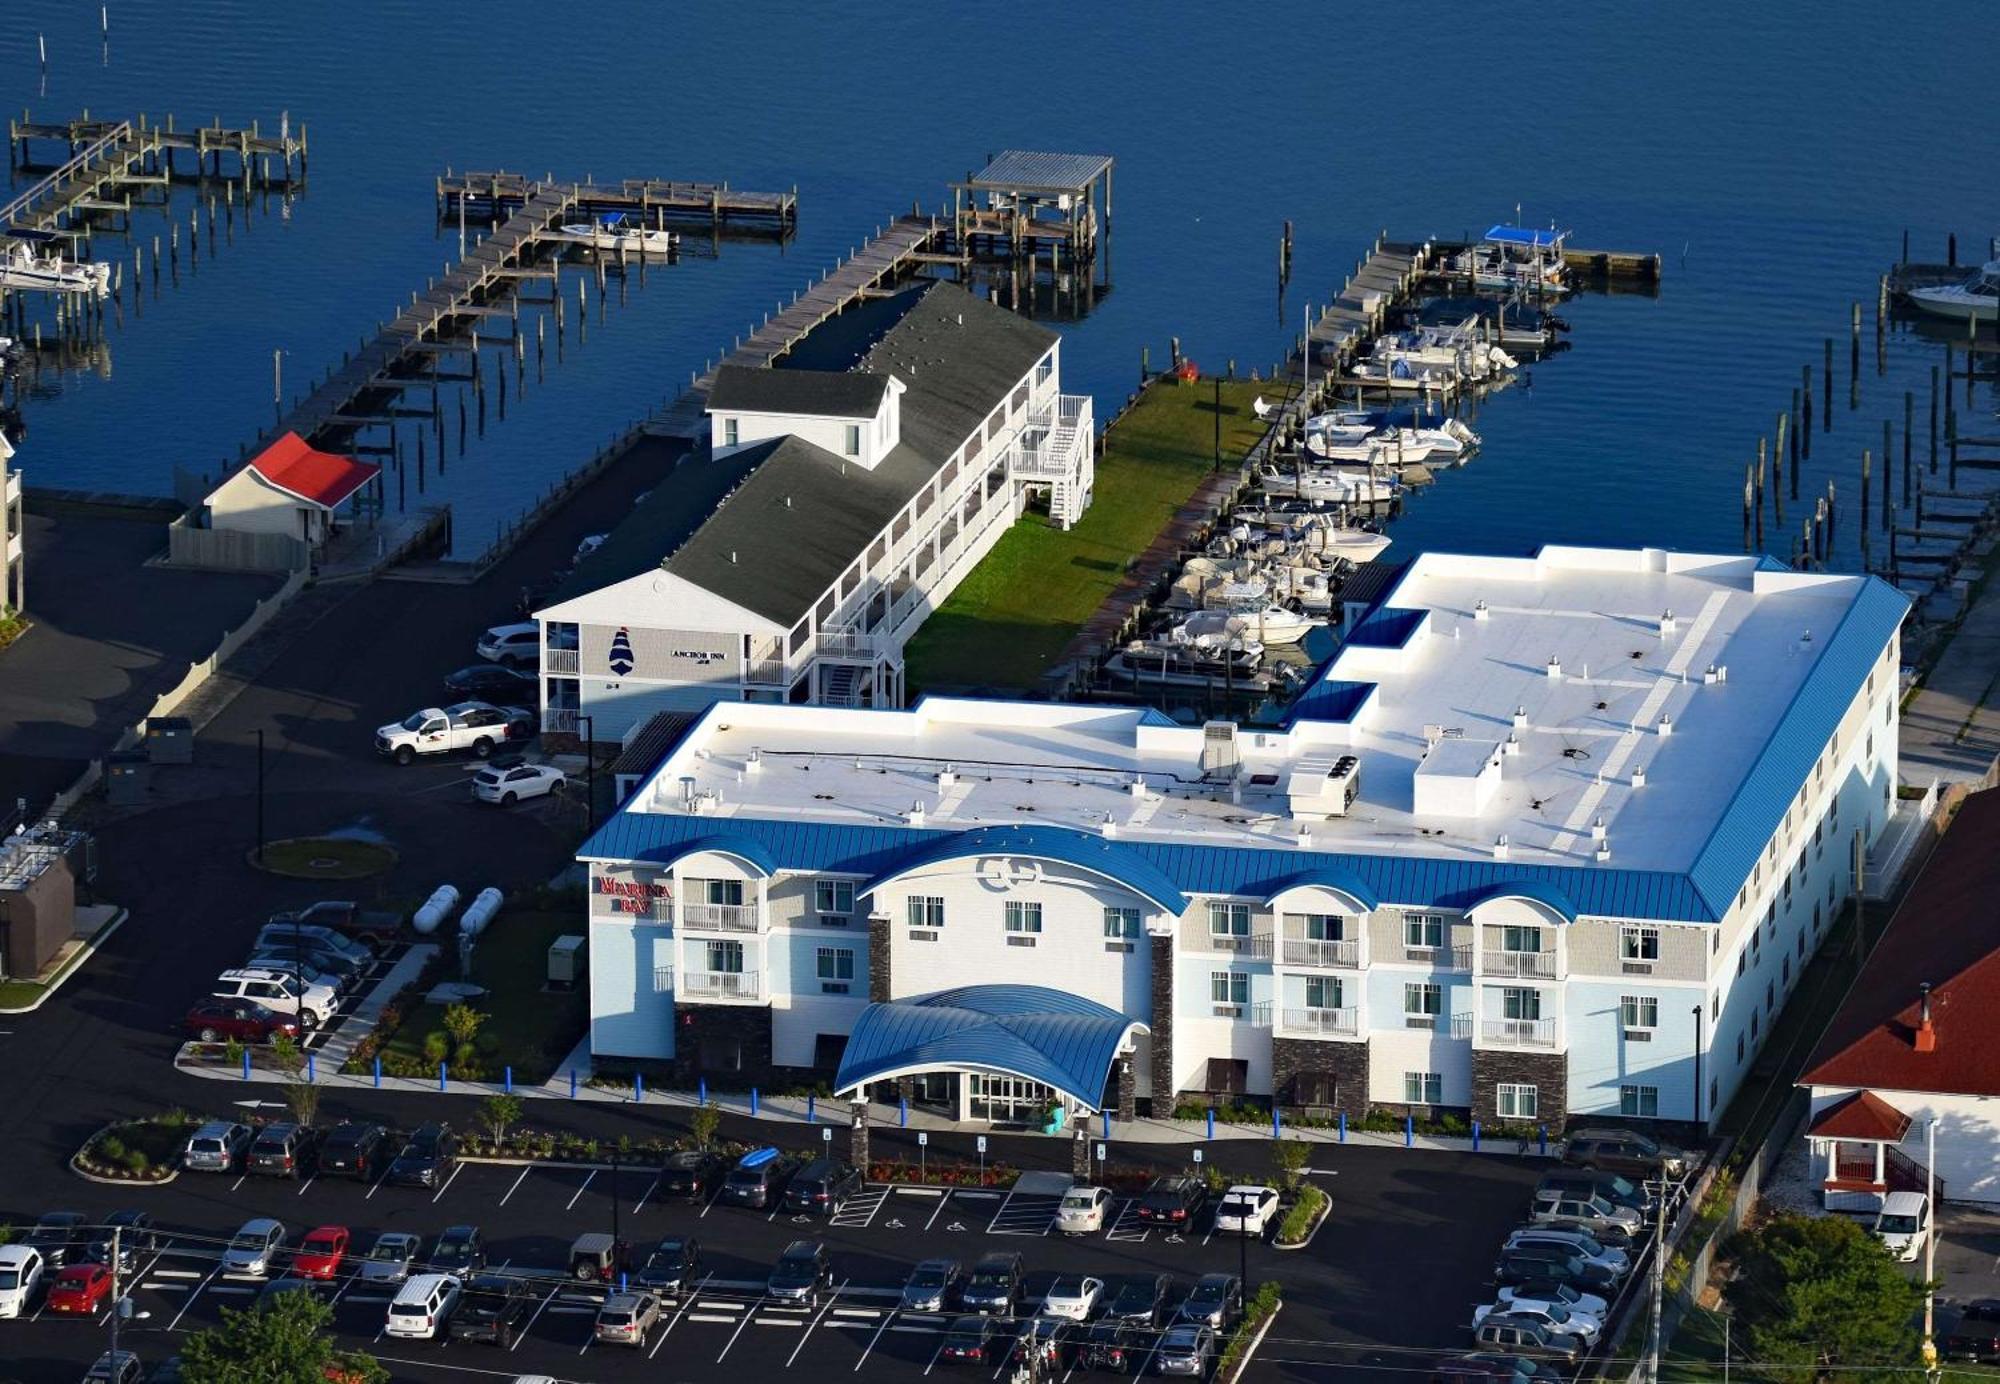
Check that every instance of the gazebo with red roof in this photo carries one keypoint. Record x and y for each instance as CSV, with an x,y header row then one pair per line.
x,y
290,489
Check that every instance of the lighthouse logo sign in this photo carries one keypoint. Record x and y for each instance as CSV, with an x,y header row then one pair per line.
x,y
620,658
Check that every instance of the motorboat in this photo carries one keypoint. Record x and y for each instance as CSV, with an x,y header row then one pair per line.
x,y
1514,257
1977,299
24,270
617,232
1332,485
1513,323
1398,446
1403,376
1164,663
1262,625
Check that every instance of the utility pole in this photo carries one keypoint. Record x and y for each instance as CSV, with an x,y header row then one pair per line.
x,y
1659,1286
118,1304
1930,1353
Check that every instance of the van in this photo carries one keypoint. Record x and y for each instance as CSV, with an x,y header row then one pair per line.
x,y
216,1147
423,1306
758,1178
822,1188
20,1276
1903,1224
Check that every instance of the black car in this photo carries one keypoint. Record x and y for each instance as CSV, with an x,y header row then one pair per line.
x,y
691,1174
353,1149
59,1237
1143,1300
1119,1347
994,1285
1976,1333
1627,1151
427,1159
459,1250
1524,1263
1172,1200
491,682
673,1266
280,1150
970,1338
493,1307
1217,1301
801,1274
135,1236
758,1179
823,1187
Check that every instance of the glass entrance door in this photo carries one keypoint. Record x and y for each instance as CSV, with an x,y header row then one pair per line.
x,y
1006,1099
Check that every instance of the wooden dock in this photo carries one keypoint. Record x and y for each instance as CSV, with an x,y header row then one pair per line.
x,y
896,252
654,202
101,154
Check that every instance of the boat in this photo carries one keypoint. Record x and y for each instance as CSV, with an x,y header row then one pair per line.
x,y
1260,626
615,231
23,270
1330,484
1515,257
1977,299
1164,663
1397,446
1514,323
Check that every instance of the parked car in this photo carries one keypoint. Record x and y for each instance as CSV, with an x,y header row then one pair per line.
x,y
970,1338
1549,1290
518,643
216,1147
1143,1299
308,956
933,1286
352,1149
1524,1369
245,1021
1082,1210
21,1273
822,1187
348,919
1246,1209
1618,1190
427,1159
79,1289
628,1319
801,1274
1185,1348
758,1179
1974,1336
1593,1213
304,972
390,1258
1552,1315
281,1149
1580,1242
994,1284
1049,1341
1217,1301
253,1250
595,1257
1172,1201
474,726
1539,1262
492,682
312,1005
329,935
58,1236
423,1306
1526,1336
323,1252
507,784
114,1367
1117,1347
1903,1224
674,1266
168,1371
493,1308
459,1250
691,1174
1073,1296
131,1230
1638,1156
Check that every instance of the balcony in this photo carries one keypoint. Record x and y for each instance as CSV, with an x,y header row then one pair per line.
x,y
769,671
1457,958
1055,438
558,720
720,985
1514,965
1306,951
1322,1023
1519,1033
719,917
848,646
560,661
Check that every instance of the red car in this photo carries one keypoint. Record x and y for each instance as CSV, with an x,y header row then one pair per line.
x,y
80,1289
321,1252
219,1020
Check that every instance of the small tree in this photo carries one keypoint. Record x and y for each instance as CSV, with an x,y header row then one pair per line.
x,y
462,1022
301,1095
1820,1298
703,1124
501,1111
1290,1156
290,1342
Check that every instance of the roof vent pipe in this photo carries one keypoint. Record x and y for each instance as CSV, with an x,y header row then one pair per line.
x,y
1137,787
1604,850
755,761
1500,847
1520,718
947,776
687,792
915,816
1480,612
1926,1040
1666,725
1555,669
1597,830
1667,621
1305,837
1638,778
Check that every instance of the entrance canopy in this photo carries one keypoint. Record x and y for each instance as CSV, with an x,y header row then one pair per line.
x,y
1061,1040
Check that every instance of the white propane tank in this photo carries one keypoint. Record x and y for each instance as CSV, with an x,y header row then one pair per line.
x,y
484,905
436,909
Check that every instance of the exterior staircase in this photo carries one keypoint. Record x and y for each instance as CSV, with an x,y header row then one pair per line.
x,y
840,684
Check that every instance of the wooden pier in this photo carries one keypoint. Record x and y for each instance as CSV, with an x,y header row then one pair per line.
x,y
103,159
654,202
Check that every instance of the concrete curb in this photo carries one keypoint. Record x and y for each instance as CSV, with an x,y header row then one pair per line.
x,y
1250,1351
76,963
104,1181
1325,1210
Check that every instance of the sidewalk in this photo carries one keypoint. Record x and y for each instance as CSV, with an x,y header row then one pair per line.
x,y
362,1019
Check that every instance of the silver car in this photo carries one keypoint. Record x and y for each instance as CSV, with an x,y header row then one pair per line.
x,y
390,1257
253,1250
1185,1349
217,1147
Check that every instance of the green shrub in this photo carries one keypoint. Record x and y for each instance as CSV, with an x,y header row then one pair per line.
x,y
136,1161
1298,1221
437,1046
111,1148
1256,1310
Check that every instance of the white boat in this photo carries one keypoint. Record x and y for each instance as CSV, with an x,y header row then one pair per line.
x,y
1977,299
1334,486
22,270
1164,663
615,232
1515,257
1261,626
1402,376
1397,446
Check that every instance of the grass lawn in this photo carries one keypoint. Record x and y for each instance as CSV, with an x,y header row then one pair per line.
x,y
325,857
528,1027
1013,614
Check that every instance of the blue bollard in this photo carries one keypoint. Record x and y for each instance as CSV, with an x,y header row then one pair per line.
x,y
639,1088
572,1083
312,1068
753,1100
1211,1122
246,1064
702,1088
903,1112
1343,1126
1409,1131
1475,1136
1545,1140
621,1280
441,1076
812,1109
510,1080
1277,1123
378,1073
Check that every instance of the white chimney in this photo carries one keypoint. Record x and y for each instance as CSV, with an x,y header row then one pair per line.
x,y
1603,850
1305,837
1512,745
1667,622
1500,847
1109,827
1712,674
915,816
756,760
1597,830
1638,778
1480,612
1555,669
1137,787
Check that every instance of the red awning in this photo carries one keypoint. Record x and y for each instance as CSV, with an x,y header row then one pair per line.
x,y
318,478
1864,1116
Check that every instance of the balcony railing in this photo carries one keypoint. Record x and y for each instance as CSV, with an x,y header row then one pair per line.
x,y
1461,1024
1520,1033
719,917
1309,951
558,720
864,648
663,979
769,670
734,985
1457,958
560,660
1519,965
1054,439
1323,1023
1256,945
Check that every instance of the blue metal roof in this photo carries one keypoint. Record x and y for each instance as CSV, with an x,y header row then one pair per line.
x,y
1539,891
1054,1037
1523,235
1344,881
1113,861
747,849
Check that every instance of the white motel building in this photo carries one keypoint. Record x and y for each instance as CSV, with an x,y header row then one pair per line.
x,y
1548,837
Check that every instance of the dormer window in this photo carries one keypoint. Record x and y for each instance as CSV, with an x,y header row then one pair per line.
x,y
852,445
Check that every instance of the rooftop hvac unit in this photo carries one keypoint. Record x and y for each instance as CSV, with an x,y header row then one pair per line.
x,y
1323,788
566,963
1219,757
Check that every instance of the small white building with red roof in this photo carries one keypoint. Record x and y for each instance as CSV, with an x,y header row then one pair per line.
x,y
290,489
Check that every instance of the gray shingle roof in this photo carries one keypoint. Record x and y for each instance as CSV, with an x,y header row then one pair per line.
x,y
820,393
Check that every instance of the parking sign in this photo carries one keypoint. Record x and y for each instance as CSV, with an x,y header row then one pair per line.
x,y
1100,1153
826,1136
923,1138
982,1143
1197,1155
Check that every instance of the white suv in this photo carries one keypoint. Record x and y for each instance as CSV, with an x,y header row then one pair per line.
x,y
512,644
280,991
423,1306
20,1276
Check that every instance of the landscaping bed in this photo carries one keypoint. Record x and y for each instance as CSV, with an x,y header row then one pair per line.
x,y
142,1150
1258,1310
1302,1218
325,858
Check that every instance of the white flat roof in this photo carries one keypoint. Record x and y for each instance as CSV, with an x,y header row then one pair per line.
x,y
1460,680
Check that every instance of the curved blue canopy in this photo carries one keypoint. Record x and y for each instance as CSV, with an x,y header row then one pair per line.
x,y
1117,863
1059,1039
1340,881
747,849
1545,894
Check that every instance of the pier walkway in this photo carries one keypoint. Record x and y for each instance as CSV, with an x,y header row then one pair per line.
x,y
655,202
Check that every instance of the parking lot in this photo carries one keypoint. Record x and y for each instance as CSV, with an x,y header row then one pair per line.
x,y
1396,1268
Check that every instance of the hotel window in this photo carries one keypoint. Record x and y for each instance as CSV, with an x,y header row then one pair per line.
x,y
1319,927
726,957
853,441
836,970
1323,992
1520,1003
1770,995
1642,1102
1639,943
1739,1049
1639,1012
1229,991
1423,931
1714,1008
1755,1027
729,432
1513,1101
1121,924
833,895
1023,917
1423,1088
1421,1004
728,892
925,910
1228,920
1521,939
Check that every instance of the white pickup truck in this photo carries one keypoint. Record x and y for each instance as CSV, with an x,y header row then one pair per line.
x,y
473,726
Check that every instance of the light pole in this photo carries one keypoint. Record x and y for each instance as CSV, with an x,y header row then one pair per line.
x,y
589,771
1930,1353
1697,1063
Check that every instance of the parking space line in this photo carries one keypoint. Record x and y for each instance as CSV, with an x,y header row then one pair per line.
x,y
517,1183
373,1188
651,1187
713,1197
940,1207
942,1338
891,1316
814,1324
587,1178
447,1183
192,1296
1118,1230
532,1320
245,1177
739,1329
307,1184
858,1212
687,1301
